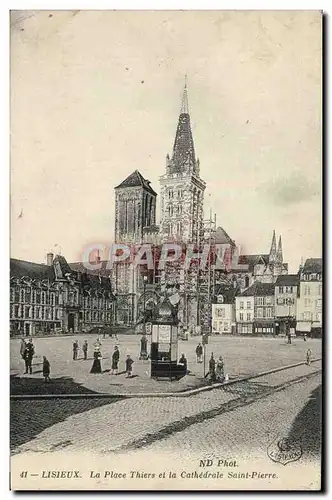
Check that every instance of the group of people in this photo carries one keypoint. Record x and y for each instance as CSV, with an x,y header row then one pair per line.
x,y
97,357
27,351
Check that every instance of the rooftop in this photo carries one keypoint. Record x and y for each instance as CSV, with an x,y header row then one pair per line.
x,y
136,179
259,290
313,266
287,280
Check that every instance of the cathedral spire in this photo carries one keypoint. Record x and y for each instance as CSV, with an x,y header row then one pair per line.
x,y
184,103
279,251
183,157
273,250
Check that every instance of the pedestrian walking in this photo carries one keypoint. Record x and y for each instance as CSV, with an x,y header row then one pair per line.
x,y
96,365
212,368
129,366
46,369
199,353
220,372
183,361
289,338
75,350
85,349
309,356
28,356
115,360
305,337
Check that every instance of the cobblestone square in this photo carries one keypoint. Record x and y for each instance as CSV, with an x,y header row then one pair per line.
x,y
242,356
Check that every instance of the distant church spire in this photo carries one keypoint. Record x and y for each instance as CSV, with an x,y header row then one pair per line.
x,y
184,103
183,157
279,251
273,250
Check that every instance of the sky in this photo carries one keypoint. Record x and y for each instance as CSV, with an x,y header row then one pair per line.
x,y
96,95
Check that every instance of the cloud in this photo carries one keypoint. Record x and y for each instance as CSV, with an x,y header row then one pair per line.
x,y
291,190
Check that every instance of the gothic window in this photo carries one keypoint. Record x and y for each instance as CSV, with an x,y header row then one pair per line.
x,y
170,193
22,295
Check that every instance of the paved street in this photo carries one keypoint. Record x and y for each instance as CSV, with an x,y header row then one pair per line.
x,y
68,376
239,423
102,426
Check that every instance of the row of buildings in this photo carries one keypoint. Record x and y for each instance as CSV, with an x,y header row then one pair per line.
x,y
293,303
61,296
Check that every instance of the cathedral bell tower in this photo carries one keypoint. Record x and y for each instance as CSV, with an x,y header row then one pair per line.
x,y
181,188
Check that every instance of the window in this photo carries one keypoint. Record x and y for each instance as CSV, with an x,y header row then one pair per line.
x,y
248,317
248,305
281,289
307,302
170,193
319,289
260,301
259,312
43,297
241,316
16,311
241,305
268,300
180,193
307,290
269,312
22,295
221,312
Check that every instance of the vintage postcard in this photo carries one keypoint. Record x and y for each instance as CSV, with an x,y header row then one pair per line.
x,y
166,271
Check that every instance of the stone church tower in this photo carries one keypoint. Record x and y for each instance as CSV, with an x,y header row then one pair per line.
x,y
135,209
181,188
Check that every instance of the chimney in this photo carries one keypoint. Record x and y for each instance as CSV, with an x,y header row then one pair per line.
x,y
49,259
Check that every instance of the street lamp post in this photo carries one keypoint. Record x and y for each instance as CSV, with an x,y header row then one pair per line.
x,y
145,279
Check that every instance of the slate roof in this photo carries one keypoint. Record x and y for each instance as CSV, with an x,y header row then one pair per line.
x,y
136,179
287,280
313,266
222,237
228,292
252,259
20,268
259,290
93,279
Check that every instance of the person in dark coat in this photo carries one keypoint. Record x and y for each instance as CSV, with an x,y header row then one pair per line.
x,y
115,361
212,368
96,365
46,369
184,363
28,356
199,353
85,349
75,350
129,366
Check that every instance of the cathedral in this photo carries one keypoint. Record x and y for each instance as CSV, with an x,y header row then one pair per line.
x,y
139,290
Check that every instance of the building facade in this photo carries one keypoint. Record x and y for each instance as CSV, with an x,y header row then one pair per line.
x,y
223,310
285,295
55,298
255,310
309,303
